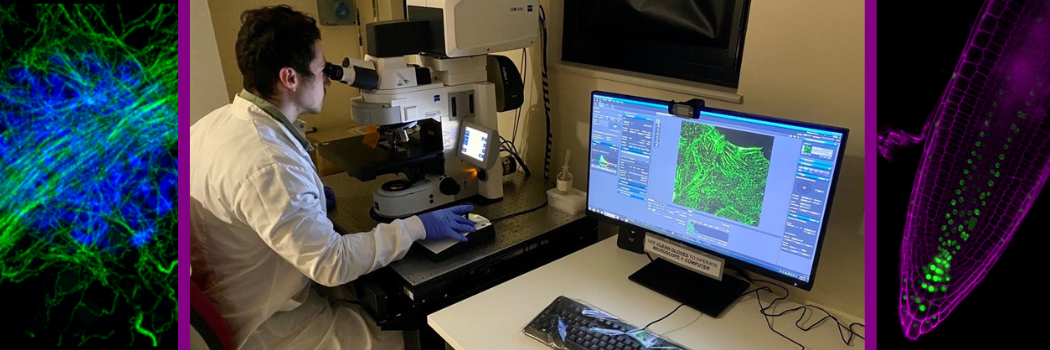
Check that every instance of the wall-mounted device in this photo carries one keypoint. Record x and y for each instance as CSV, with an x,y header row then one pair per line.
x,y
336,12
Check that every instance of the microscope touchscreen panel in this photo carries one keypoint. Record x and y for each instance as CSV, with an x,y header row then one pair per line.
x,y
474,143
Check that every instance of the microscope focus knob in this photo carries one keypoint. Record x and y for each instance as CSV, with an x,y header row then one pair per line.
x,y
449,186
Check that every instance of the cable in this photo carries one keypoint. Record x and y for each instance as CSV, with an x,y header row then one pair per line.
x,y
650,257
841,326
513,150
525,70
509,147
806,329
768,316
546,100
515,157
494,221
662,318
762,310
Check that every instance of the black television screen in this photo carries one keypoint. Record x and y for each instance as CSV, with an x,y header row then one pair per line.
x,y
695,40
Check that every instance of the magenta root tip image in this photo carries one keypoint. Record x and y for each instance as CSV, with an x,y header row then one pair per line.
x,y
981,159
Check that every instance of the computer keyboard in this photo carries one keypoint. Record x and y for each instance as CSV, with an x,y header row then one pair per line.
x,y
568,324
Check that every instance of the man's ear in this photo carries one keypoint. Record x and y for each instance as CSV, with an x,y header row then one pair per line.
x,y
289,78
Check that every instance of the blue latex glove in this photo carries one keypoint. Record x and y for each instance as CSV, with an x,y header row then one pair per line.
x,y
329,197
447,223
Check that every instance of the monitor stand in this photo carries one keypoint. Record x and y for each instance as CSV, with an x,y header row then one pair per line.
x,y
697,291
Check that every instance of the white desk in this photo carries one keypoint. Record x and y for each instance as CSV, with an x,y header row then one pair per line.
x,y
598,275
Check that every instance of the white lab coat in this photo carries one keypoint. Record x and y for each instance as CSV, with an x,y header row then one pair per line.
x,y
260,237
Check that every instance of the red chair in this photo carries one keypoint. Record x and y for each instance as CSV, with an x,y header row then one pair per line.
x,y
207,322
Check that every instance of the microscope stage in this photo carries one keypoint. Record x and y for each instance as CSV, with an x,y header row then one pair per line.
x,y
365,162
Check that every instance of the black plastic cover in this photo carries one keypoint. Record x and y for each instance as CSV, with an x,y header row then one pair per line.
x,y
510,90
397,37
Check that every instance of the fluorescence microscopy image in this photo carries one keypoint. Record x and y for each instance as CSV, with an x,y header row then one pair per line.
x,y
961,178
88,170
736,160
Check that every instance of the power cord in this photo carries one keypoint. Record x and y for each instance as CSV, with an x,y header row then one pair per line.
x,y
510,148
798,323
665,316
768,316
546,100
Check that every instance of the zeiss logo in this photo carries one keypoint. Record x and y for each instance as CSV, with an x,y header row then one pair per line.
x,y
530,8
437,98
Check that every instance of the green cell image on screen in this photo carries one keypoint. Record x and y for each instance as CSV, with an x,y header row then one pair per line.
x,y
807,149
722,171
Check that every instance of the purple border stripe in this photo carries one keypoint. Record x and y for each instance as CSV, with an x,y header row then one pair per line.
x,y
184,170
870,158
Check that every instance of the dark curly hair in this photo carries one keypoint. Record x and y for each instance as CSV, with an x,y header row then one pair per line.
x,y
272,38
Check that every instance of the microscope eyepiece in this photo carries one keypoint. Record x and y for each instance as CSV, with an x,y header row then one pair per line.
x,y
359,77
333,72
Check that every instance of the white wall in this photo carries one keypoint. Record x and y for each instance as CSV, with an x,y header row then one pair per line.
x,y
207,83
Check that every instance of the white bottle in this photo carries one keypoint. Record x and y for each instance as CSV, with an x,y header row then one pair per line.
x,y
564,177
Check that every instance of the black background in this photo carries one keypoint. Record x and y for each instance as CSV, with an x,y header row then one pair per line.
x,y
919,46
25,311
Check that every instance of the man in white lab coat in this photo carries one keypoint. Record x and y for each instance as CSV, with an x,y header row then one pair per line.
x,y
260,235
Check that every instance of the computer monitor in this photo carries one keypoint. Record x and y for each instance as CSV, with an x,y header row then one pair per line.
x,y
752,190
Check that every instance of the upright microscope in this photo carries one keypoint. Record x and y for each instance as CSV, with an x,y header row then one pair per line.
x,y
436,122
